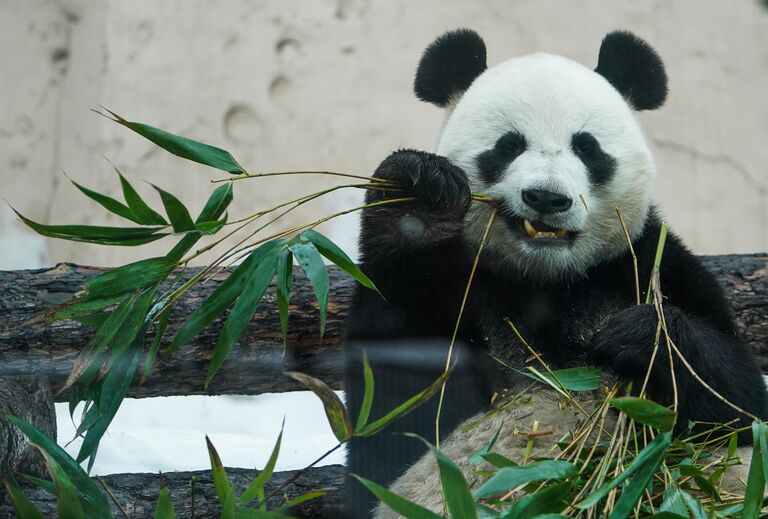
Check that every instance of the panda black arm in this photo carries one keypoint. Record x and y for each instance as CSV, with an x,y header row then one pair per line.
x,y
701,326
414,254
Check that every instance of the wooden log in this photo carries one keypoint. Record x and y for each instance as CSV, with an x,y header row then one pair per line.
x,y
136,494
257,363
30,399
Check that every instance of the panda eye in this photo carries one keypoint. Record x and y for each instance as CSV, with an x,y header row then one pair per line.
x,y
512,144
585,145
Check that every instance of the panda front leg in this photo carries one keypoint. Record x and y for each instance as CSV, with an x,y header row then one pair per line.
x,y
723,361
414,253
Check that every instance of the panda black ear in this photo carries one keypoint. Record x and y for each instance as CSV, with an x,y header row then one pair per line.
x,y
634,69
449,65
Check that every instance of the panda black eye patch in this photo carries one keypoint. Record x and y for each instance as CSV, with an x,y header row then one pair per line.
x,y
494,162
600,165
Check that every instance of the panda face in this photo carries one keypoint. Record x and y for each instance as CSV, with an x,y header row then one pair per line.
x,y
558,149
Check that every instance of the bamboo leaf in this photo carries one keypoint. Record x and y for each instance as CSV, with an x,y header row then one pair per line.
x,y
256,488
337,415
164,509
222,297
184,147
177,213
404,408
161,326
214,207
284,281
79,307
512,477
477,457
210,227
110,204
642,477
648,458
583,378
456,493
68,503
400,505
754,493
258,279
218,473
94,503
123,236
303,498
331,251
365,407
549,500
310,261
645,411
498,461
128,278
21,505
144,214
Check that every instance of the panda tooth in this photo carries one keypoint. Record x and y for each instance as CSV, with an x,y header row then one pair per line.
x,y
560,233
530,229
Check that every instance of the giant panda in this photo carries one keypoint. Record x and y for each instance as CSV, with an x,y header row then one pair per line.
x,y
558,149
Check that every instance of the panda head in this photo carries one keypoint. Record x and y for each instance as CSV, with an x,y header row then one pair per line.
x,y
555,144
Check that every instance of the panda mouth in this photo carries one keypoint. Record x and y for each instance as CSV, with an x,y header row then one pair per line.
x,y
538,231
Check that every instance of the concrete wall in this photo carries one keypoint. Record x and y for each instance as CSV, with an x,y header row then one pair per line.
x,y
288,85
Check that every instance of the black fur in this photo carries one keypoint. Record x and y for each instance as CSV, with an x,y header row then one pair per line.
x,y
634,69
570,323
449,65
600,165
492,163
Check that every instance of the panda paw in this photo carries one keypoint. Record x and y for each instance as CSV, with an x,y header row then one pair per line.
x,y
429,178
626,343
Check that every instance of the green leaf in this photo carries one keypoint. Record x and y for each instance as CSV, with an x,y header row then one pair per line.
x,y
215,206
404,408
303,498
337,415
700,478
152,353
123,236
258,278
338,257
68,503
400,505
310,261
284,281
222,297
673,500
256,488
94,503
164,509
668,515
647,460
642,477
512,477
584,378
110,395
695,506
219,475
549,500
477,457
210,227
22,506
79,307
498,461
456,492
109,203
365,407
177,213
128,278
184,147
144,214
645,411
754,493
253,513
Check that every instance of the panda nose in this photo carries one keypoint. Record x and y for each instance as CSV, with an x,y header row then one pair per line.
x,y
546,202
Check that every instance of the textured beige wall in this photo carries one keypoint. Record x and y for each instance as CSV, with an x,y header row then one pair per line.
x,y
327,85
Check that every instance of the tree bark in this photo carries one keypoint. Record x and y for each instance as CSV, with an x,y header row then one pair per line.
x,y
30,399
257,363
137,494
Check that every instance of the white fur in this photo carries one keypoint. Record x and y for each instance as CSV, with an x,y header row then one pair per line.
x,y
547,99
